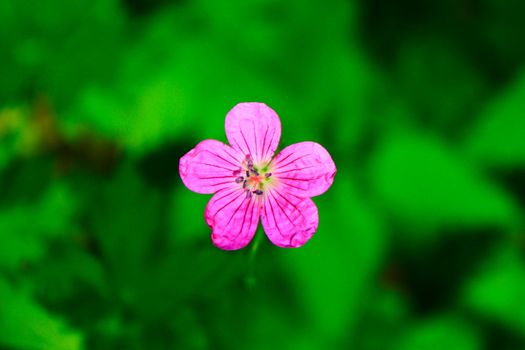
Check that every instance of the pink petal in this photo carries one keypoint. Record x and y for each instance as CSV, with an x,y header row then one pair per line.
x,y
254,129
289,221
305,169
210,167
233,218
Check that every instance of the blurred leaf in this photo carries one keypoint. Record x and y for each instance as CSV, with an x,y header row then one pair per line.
x,y
426,186
498,138
16,134
334,103
9,120
442,332
497,290
173,281
38,55
126,222
27,229
26,325
68,271
186,204
501,29
440,83
384,318
158,91
333,272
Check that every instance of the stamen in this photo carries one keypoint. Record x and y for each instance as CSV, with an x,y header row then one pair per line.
x,y
267,175
244,184
258,192
247,173
239,179
248,194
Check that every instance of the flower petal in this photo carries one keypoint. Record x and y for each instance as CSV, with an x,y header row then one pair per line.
x,y
254,129
305,169
210,167
288,220
233,218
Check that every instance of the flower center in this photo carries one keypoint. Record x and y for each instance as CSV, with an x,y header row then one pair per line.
x,y
249,175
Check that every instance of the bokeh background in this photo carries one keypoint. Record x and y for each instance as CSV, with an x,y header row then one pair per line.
x,y
421,240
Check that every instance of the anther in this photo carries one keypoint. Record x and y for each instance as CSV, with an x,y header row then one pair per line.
x,y
258,192
239,179
244,184
247,173
267,175
248,194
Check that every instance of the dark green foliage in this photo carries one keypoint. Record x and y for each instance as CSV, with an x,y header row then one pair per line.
x,y
421,241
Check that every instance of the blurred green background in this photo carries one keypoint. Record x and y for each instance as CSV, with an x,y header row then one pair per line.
x,y
421,240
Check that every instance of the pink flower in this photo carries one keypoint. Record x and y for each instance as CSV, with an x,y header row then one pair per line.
x,y
249,183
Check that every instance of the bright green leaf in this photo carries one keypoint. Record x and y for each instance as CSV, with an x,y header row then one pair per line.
x,y
27,229
26,325
498,138
443,332
423,183
498,289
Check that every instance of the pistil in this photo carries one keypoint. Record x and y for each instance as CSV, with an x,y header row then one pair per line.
x,y
252,182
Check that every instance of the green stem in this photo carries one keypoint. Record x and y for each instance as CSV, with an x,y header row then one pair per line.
x,y
251,280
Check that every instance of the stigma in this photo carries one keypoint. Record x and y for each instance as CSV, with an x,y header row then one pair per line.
x,y
249,175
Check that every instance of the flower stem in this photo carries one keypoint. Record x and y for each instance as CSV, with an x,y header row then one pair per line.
x,y
251,280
